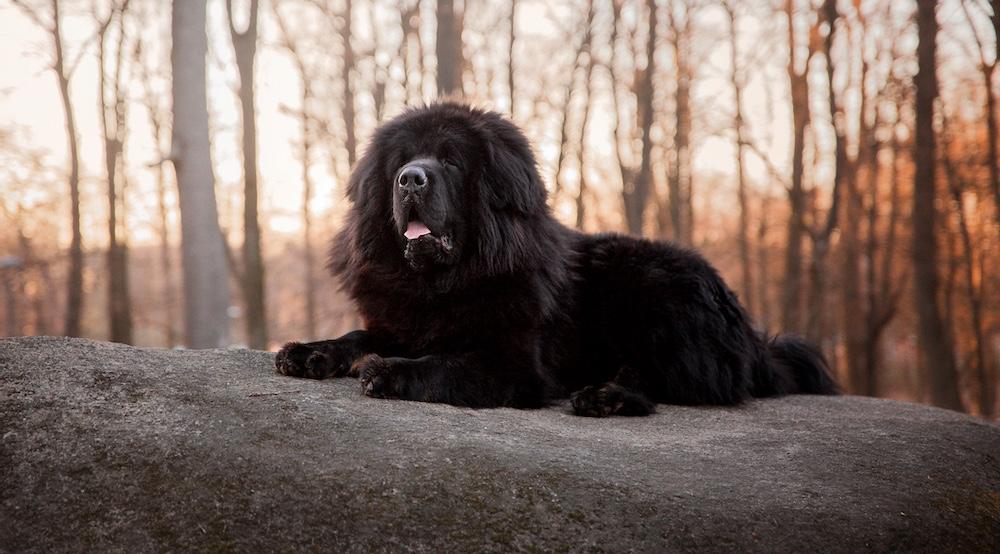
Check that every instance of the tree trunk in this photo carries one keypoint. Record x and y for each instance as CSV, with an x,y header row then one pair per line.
x,y
637,196
168,293
973,292
975,300
113,127
424,83
166,262
791,298
625,172
74,279
743,234
868,336
993,135
863,169
253,283
510,54
583,50
406,14
12,324
948,299
206,289
816,321
557,180
936,360
581,151
306,147
307,192
880,301
449,50
38,297
890,287
379,69
679,175
763,316
993,138
347,82
41,306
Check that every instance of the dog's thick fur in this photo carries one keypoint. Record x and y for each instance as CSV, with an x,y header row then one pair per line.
x,y
473,294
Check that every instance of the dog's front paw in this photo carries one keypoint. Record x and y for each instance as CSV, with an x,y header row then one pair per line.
x,y
376,376
302,360
598,401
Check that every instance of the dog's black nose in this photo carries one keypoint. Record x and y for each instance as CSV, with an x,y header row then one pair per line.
x,y
412,178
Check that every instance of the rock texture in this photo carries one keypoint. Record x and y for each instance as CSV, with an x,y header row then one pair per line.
x,y
107,447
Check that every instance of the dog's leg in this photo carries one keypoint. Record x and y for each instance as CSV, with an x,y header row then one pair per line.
x,y
620,396
330,358
473,380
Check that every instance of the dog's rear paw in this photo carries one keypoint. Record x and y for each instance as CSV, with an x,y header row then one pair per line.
x,y
598,400
302,360
610,399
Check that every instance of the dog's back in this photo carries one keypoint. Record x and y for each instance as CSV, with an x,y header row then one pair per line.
x,y
660,317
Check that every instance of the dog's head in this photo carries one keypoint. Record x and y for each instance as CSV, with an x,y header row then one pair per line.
x,y
444,186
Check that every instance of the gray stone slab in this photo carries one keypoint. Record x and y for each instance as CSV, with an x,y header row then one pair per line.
x,y
106,447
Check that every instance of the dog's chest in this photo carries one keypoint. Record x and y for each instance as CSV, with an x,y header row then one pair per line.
x,y
468,321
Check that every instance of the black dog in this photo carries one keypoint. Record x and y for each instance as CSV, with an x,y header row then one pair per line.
x,y
474,295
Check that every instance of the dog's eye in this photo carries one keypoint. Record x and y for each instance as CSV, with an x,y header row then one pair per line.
x,y
449,163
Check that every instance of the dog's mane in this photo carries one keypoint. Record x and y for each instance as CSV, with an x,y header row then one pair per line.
x,y
513,231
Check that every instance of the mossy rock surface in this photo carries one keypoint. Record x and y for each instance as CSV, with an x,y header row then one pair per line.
x,y
105,447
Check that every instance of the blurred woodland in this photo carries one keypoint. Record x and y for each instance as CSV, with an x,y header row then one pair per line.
x,y
171,172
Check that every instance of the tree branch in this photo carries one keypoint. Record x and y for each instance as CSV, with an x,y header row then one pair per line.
x,y
33,15
774,171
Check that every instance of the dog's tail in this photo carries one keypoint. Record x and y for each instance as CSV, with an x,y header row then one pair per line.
x,y
799,366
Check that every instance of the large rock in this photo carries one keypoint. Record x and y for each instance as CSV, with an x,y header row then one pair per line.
x,y
108,447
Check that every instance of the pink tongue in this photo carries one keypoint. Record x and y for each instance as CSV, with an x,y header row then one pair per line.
x,y
416,229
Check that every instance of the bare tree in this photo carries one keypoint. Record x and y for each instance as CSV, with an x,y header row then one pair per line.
x,y
958,186
581,149
680,17
306,99
936,360
206,290
11,268
737,79
860,288
883,290
52,24
347,79
24,174
637,181
449,49
339,26
763,316
510,54
113,118
379,65
409,19
988,68
621,138
851,174
252,271
160,133
821,236
40,268
580,60
798,77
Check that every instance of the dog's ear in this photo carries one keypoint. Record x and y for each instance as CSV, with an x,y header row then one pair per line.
x,y
510,179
